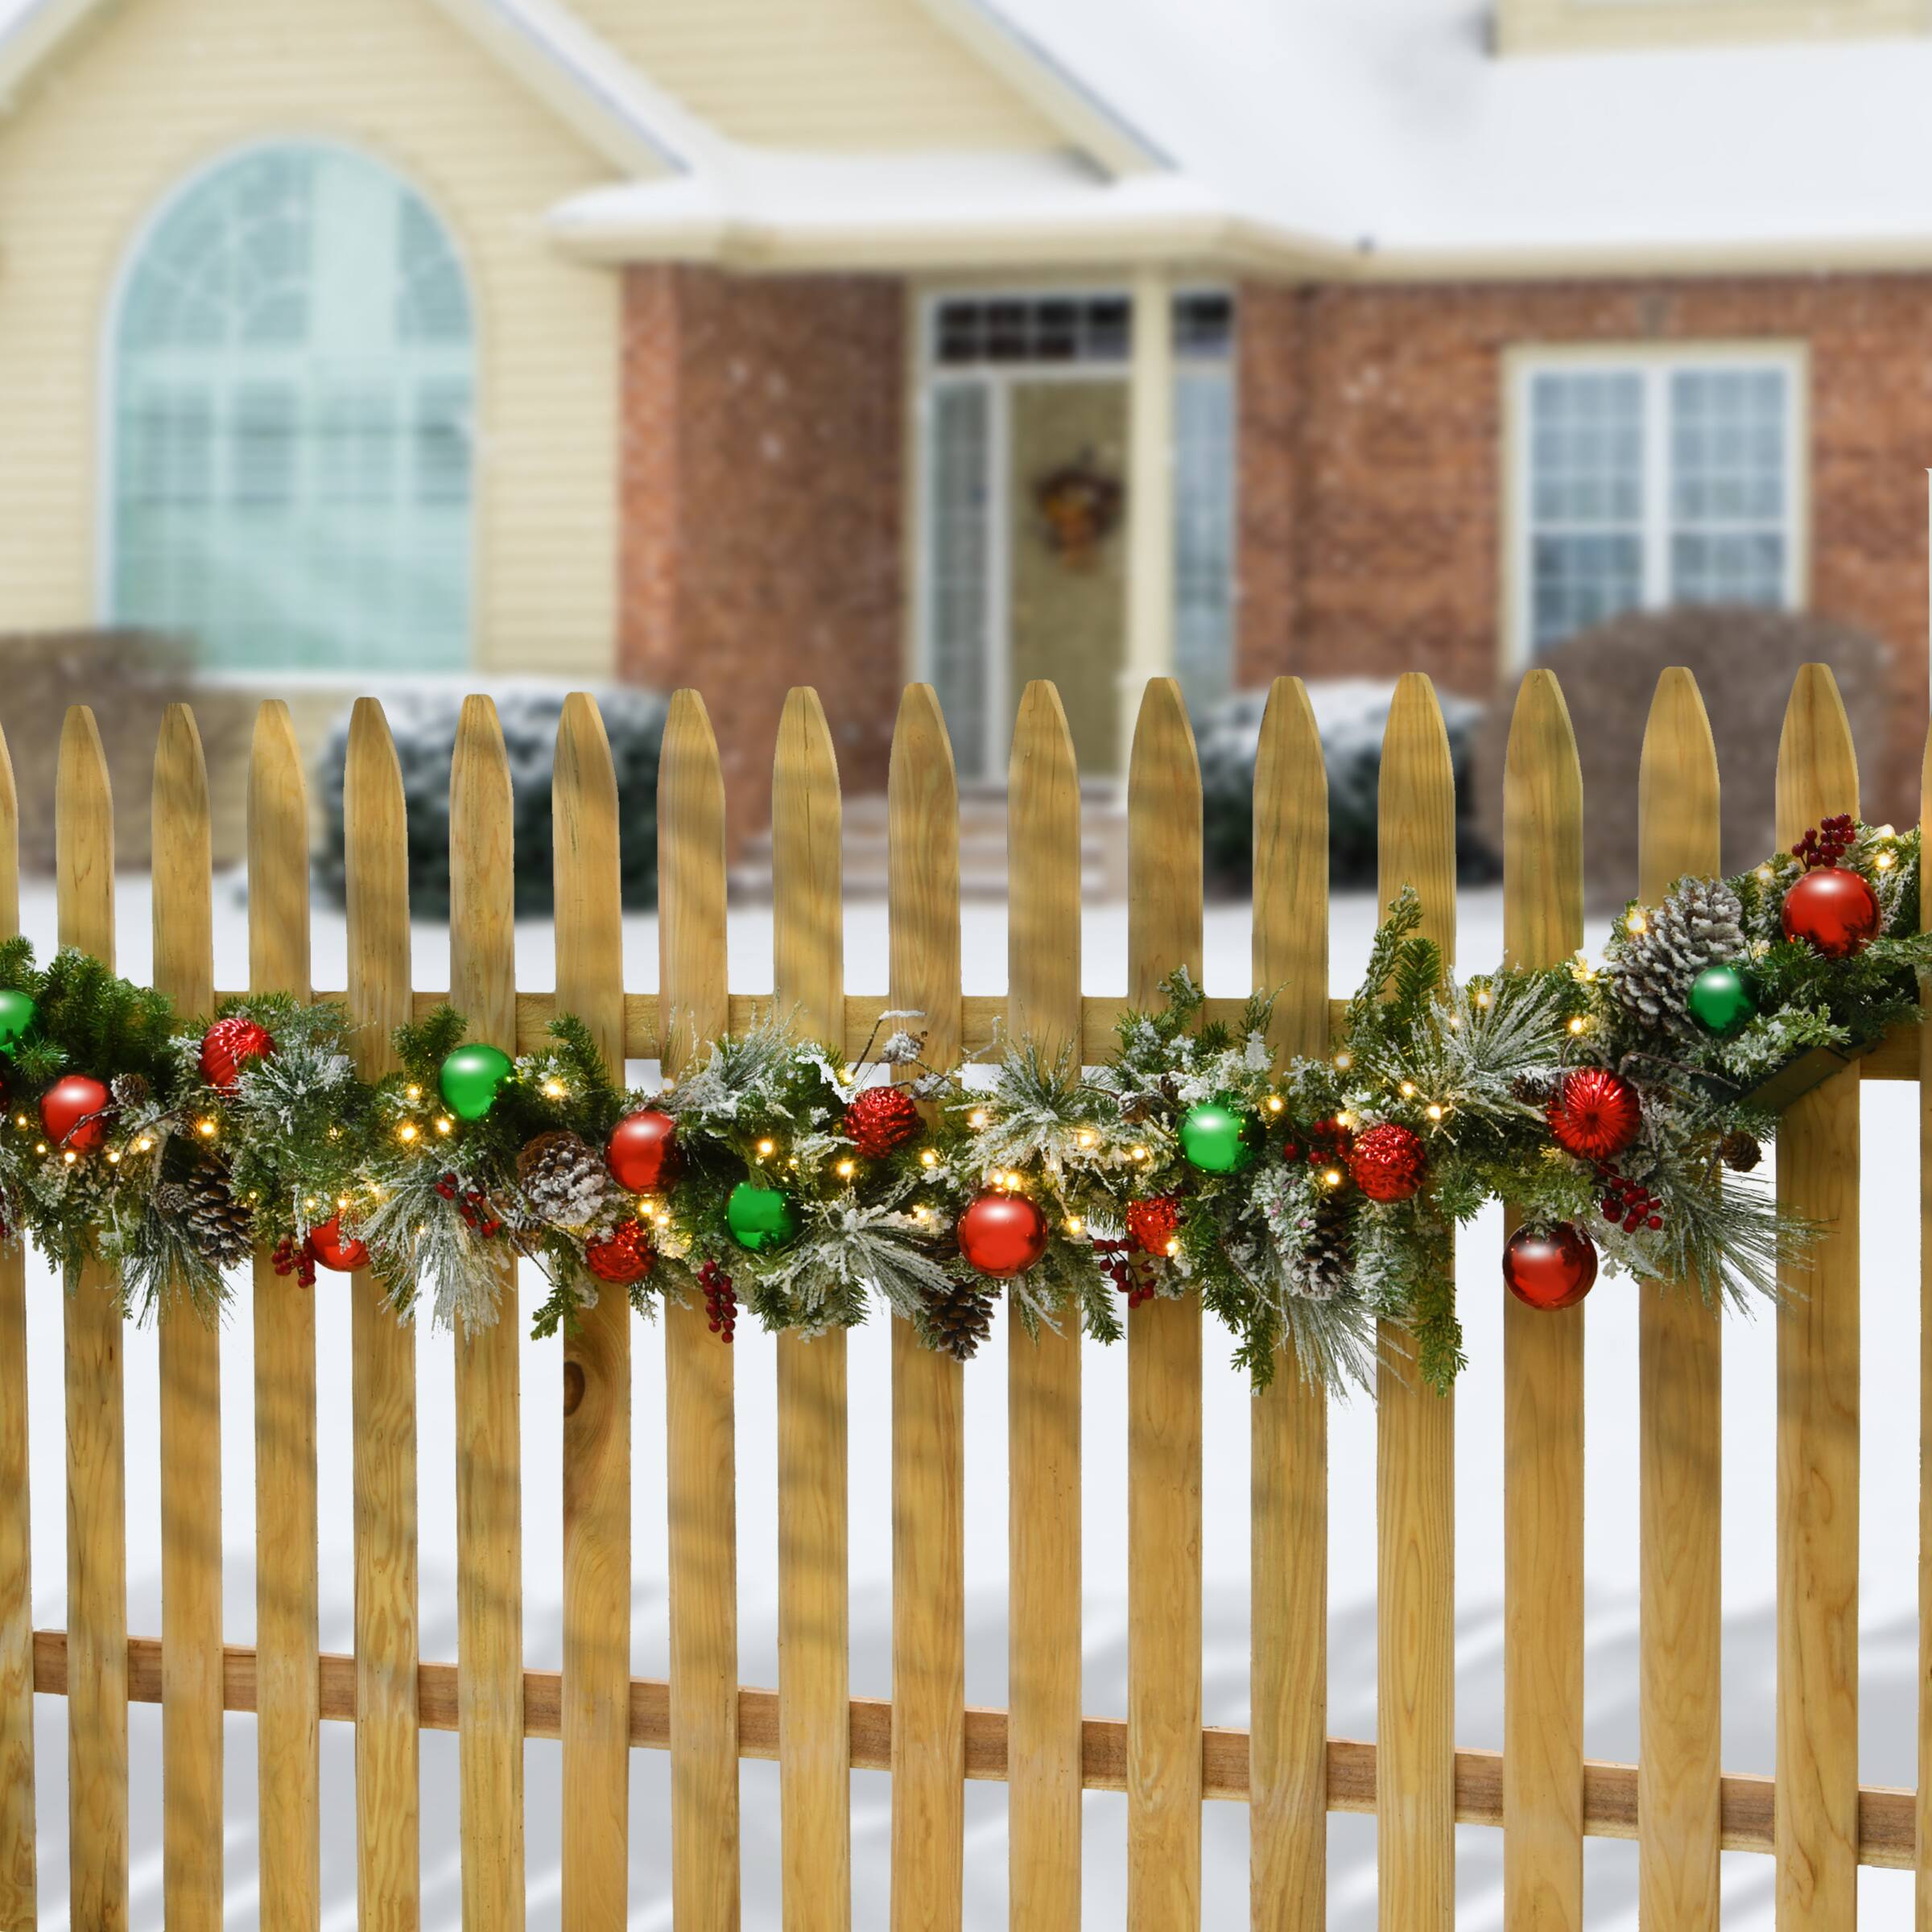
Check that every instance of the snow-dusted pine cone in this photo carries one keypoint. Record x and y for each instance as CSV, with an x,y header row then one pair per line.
x,y
1699,924
564,1178
1327,1254
960,1318
222,1227
129,1089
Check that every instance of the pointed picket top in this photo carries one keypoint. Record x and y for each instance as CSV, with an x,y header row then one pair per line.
x,y
1817,767
10,845
1416,806
1044,872
375,830
278,856
1677,789
1291,943
1163,844
923,813
808,943
482,877
1542,828
184,917
83,838
692,914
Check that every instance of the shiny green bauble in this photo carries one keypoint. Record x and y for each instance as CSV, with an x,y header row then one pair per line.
x,y
760,1217
1214,1138
469,1078
1720,1001
16,1011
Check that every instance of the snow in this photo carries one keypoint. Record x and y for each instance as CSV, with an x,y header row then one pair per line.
x,y
1889,1509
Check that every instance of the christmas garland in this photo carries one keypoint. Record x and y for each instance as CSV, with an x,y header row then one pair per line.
x,y
1619,1109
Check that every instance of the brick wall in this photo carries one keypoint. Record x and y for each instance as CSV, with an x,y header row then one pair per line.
x,y
763,465
1371,466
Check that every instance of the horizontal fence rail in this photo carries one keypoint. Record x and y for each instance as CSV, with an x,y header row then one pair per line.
x,y
1815,1819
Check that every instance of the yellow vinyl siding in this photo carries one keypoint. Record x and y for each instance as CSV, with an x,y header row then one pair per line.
x,y
828,74
155,89
1554,26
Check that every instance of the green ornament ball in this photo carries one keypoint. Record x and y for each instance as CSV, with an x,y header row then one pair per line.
x,y
760,1217
1720,1001
1214,1137
469,1078
16,1011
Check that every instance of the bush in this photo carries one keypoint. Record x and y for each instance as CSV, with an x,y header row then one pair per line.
x,y
1351,714
424,728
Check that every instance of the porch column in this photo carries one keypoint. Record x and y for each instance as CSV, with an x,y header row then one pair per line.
x,y
1149,652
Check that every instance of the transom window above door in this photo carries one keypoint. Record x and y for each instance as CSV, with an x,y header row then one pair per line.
x,y
1653,479
291,395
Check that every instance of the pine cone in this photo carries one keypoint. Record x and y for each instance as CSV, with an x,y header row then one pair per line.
x,y
223,1227
960,1318
1327,1256
1740,1151
1533,1089
129,1089
1699,924
564,1178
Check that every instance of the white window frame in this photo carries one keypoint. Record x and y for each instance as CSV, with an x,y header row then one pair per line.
x,y
1656,362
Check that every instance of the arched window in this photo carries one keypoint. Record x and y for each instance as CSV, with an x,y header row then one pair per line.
x,y
292,373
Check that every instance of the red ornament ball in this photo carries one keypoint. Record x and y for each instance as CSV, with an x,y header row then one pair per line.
x,y
73,1112
882,1119
1832,908
228,1043
623,1256
328,1244
1002,1234
1594,1113
1152,1225
1552,1270
1388,1162
642,1151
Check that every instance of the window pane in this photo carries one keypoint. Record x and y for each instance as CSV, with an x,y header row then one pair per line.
x,y
1585,491
958,607
1729,484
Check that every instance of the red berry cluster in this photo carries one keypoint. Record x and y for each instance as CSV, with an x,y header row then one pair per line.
x,y
720,1301
476,1208
1325,1144
1129,1269
1827,844
1631,1202
295,1258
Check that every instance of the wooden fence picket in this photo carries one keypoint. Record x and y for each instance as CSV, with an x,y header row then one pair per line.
x,y
1415,1427
699,1399
1922,1884
596,1369
1679,1821
928,1391
18,1863
388,1798
288,1724
490,1481
814,1674
1164,933
1043,1729
190,1349
1818,1412
1542,1385
1288,1756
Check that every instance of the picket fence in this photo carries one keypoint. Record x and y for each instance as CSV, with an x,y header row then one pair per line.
x,y
1677,1802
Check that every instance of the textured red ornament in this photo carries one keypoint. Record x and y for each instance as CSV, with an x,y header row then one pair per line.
x,y
74,1111
642,1151
1594,1113
1002,1234
882,1119
1388,1162
1835,910
623,1256
1153,1224
328,1245
228,1043
1552,1270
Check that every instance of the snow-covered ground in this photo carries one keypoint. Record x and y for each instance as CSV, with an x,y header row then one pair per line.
x,y
1888,1515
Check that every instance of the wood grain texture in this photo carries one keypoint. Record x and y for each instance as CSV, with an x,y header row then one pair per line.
x,y
288,1735
596,1369
18,1874
489,1480
928,1393
1163,1378
1043,1372
1288,1796
1923,1884
383,1378
1680,1424
1415,1427
97,1472
1818,1412
814,1750
699,1401
190,1390
1542,1386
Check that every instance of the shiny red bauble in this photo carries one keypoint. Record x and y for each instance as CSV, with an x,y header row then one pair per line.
x,y
228,1043
1594,1113
880,1120
1834,909
623,1256
1002,1234
73,1112
1555,1270
1154,1225
642,1151
334,1249
1388,1161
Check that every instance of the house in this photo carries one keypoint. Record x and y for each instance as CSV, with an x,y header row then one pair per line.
x,y
742,343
